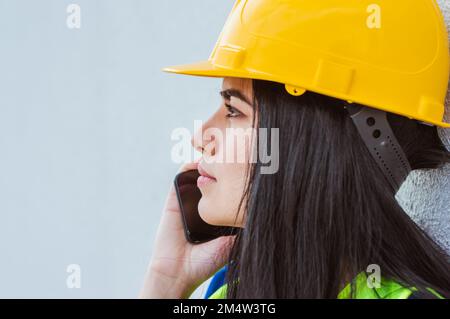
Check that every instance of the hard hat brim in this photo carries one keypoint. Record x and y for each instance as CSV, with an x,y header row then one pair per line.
x,y
207,68
196,68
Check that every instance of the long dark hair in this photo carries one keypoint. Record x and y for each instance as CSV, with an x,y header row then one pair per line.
x,y
329,212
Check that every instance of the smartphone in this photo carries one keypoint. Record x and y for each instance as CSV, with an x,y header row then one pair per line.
x,y
196,229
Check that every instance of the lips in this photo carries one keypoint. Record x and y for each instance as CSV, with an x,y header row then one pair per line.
x,y
202,172
204,178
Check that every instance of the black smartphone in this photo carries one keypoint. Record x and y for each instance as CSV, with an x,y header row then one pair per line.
x,y
196,229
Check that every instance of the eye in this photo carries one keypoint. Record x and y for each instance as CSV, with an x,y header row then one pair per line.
x,y
232,112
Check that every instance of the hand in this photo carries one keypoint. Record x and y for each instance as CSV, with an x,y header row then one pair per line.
x,y
178,267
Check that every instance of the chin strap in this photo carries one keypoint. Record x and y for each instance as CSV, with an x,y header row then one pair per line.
x,y
374,129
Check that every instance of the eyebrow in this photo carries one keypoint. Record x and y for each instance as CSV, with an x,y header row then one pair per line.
x,y
226,94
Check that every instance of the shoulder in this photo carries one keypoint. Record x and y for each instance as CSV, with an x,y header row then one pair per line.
x,y
387,288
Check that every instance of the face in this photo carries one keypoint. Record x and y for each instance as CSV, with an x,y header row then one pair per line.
x,y
225,140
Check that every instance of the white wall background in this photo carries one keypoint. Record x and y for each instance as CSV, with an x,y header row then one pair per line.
x,y
85,123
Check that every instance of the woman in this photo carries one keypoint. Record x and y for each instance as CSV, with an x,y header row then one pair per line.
x,y
355,112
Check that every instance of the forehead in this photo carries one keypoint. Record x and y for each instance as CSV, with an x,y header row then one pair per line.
x,y
241,84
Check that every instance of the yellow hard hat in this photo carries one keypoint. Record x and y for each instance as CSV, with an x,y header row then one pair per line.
x,y
392,55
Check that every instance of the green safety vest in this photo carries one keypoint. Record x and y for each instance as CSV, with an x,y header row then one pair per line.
x,y
389,289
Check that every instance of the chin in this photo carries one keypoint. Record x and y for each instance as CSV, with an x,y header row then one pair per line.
x,y
208,218
211,213
203,209
205,213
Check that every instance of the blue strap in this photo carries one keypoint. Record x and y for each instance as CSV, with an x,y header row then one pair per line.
x,y
217,281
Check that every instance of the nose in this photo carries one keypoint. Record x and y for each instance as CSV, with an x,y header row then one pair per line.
x,y
204,143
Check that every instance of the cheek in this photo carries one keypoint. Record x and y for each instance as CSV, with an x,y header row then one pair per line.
x,y
233,155
236,145
219,206
220,202
232,177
